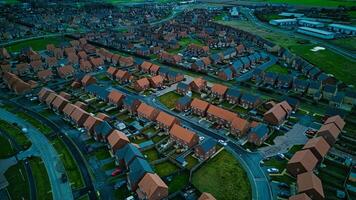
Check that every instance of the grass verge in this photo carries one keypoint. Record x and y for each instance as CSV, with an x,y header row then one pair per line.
x,y
40,175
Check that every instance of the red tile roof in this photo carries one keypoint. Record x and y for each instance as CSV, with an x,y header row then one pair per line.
x,y
309,181
337,120
206,196
166,119
152,186
117,139
199,104
183,134
301,196
219,89
318,146
221,113
115,97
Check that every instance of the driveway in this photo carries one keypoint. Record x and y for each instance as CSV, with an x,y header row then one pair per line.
x,y
295,136
48,155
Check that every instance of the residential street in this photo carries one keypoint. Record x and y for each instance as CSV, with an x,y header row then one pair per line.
x,y
47,153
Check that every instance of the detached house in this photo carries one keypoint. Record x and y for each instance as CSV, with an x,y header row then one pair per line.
x,y
219,91
233,96
206,149
311,185
183,103
301,162
151,187
122,76
258,134
278,113
318,146
183,137
90,123
45,75
198,85
182,88
142,84
116,98
137,170
102,131
156,81
43,94
239,126
329,91
110,72
79,116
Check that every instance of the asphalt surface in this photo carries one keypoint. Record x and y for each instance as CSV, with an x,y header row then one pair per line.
x,y
48,155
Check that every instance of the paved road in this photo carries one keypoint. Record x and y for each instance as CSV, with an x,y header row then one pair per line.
x,y
47,153
250,161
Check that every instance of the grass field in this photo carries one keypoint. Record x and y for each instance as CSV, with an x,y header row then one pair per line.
x,y
277,68
34,122
102,154
36,44
40,175
346,43
187,41
223,169
324,3
152,154
178,182
72,170
6,149
18,183
330,62
169,99
165,168
16,133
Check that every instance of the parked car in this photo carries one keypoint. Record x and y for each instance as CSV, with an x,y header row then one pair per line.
x,y
272,170
116,172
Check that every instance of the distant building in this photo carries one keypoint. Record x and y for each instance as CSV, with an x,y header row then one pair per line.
x,y
283,22
316,33
340,28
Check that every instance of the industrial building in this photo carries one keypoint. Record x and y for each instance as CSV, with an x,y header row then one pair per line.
x,y
316,33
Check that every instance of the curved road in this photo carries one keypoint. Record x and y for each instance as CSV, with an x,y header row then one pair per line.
x,y
250,161
48,155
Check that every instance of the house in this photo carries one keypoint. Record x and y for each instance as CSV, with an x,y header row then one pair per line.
x,y
66,71
85,66
117,140
183,137
311,185
249,101
293,102
145,66
270,78
88,80
131,104
151,187
174,77
197,50
45,75
198,66
79,116
81,105
229,53
301,196
22,69
220,115
137,170
122,76
216,58
97,91
154,69
73,59
110,72
239,126
236,67
206,149
206,196
219,91
329,91
318,146
68,109
165,121
314,87
226,74
258,134
51,96
183,103
90,123
233,96
43,94
102,130
300,86
142,84
126,61
278,113
156,81
245,61
284,81
127,154
36,65
96,62
337,120
147,112
116,98
198,85
199,107
337,100
59,103
82,55
301,162
330,132
182,88
103,116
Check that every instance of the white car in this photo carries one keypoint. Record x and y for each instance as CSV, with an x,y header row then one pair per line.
x,y
222,142
272,170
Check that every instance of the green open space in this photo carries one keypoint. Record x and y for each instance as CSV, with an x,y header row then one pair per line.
x,y
16,133
223,169
6,148
36,44
72,170
43,186
323,3
346,43
151,154
184,42
18,182
278,69
169,99
165,168
178,182
328,61
102,153
35,123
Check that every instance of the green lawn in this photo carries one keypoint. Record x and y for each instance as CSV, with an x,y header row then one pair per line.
x,y
149,130
158,138
108,166
324,3
279,164
121,193
178,182
102,154
228,179
184,42
34,122
169,99
191,162
40,175
295,148
36,44
72,170
165,168
346,43
16,133
18,183
6,149
152,154
46,112
342,68
277,68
